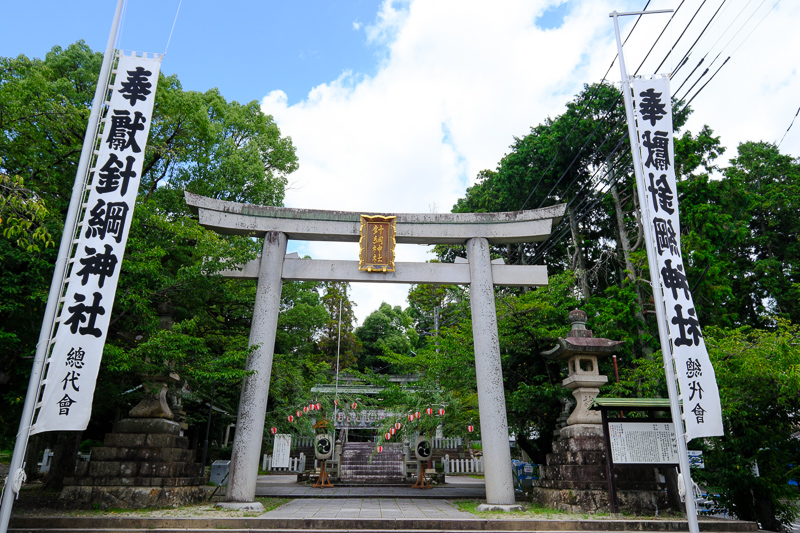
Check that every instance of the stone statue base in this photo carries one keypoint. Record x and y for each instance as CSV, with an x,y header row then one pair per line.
x,y
574,478
144,463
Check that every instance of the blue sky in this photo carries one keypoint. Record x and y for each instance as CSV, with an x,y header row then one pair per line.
x,y
256,46
396,105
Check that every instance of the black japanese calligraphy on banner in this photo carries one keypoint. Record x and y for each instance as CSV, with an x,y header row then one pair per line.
x,y
66,402
698,385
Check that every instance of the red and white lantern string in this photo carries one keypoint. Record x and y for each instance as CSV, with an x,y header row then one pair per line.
x,y
470,428
392,431
441,412
416,415
429,411
305,409
380,449
291,418
299,413
398,426
354,405
410,418
274,430
387,436
318,406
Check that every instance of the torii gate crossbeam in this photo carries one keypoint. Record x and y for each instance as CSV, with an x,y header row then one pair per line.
x,y
477,231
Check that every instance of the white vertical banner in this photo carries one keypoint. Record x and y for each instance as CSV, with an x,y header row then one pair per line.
x,y
699,394
66,399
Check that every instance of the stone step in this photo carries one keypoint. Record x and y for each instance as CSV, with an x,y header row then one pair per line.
x,y
362,525
361,464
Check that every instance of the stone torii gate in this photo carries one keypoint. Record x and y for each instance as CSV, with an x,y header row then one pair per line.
x,y
475,230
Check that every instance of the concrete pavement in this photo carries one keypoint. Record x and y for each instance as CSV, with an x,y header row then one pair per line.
x,y
456,487
389,508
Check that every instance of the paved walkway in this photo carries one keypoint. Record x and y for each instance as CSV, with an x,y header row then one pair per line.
x,y
456,487
367,508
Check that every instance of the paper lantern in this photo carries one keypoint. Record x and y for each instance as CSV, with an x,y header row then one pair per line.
x,y
429,411
387,436
416,415
410,418
398,426
470,428
336,402
299,413
305,409
291,418
392,431
380,449
441,412
274,430
354,405
318,406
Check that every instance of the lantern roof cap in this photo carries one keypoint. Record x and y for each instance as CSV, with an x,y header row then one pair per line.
x,y
581,341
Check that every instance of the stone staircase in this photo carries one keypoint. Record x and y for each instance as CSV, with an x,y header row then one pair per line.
x,y
363,465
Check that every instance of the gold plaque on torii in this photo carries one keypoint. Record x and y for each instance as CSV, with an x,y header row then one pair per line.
x,y
377,244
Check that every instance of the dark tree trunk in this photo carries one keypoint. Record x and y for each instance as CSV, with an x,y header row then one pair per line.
x,y
765,510
65,454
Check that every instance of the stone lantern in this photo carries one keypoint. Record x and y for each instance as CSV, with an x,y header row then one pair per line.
x,y
574,476
581,350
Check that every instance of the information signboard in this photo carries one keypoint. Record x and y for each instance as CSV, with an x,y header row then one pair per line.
x,y
280,451
643,443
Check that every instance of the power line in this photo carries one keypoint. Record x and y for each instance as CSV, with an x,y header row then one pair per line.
x,y
582,197
586,108
680,37
659,37
790,127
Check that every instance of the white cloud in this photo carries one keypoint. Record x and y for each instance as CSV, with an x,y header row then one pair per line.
x,y
357,25
457,80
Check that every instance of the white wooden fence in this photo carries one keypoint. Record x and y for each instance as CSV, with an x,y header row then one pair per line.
x,y
308,442
462,466
296,464
301,442
452,443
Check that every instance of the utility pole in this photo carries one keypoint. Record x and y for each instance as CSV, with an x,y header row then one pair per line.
x,y
666,351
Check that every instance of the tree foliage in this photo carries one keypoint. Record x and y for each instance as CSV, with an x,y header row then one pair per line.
x,y
172,314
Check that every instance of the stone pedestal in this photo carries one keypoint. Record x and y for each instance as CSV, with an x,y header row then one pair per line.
x,y
144,463
574,478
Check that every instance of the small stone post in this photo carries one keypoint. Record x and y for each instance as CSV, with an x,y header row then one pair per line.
x,y
491,396
253,401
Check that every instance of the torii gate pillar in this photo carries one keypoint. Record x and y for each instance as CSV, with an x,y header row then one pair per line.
x,y
489,374
477,230
253,401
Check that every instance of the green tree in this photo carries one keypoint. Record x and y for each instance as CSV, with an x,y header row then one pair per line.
x,y
348,347
434,307
385,331
748,470
171,314
22,215
202,143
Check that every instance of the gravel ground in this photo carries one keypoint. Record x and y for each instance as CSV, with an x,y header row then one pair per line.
x,y
35,502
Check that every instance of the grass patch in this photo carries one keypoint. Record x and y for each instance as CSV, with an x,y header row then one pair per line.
x,y
272,503
532,511
529,510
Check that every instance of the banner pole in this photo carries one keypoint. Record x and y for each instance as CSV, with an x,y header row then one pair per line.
x,y
16,467
666,351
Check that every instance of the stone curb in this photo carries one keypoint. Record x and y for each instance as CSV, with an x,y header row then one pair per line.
x,y
361,524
